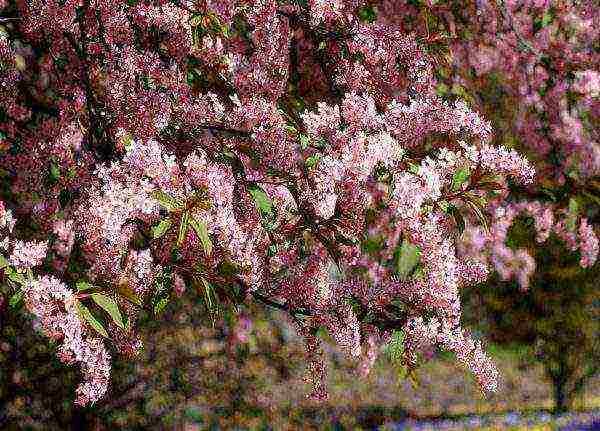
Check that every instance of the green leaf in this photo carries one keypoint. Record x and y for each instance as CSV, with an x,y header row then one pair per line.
x,y
201,230
459,178
312,161
549,194
573,206
54,173
86,315
407,259
16,298
207,292
168,202
402,372
444,205
161,228
262,201
183,227
367,14
71,173
413,168
593,197
15,276
571,222
414,380
304,141
195,20
110,306
395,348
3,262
210,299
160,305
480,215
546,19
82,286
127,142
373,244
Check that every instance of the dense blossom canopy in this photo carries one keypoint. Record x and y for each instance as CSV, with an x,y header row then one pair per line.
x,y
295,153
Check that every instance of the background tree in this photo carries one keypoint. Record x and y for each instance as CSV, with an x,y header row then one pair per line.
x,y
558,317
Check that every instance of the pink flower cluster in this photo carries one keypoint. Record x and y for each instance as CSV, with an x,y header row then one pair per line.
x,y
53,304
519,263
28,254
468,352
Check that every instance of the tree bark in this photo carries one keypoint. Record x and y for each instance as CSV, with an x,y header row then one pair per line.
x,y
562,400
560,404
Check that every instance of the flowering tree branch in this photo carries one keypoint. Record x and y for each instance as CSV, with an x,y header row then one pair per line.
x,y
297,155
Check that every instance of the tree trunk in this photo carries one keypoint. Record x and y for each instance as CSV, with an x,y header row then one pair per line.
x,y
560,396
562,400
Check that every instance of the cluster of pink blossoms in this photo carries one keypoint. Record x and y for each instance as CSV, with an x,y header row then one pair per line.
x,y
52,303
253,150
28,254
574,230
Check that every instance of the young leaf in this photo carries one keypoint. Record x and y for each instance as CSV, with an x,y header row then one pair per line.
x,y
459,178
161,228
86,315
195,20
200,227
262,201
183,227
573,206
408,258
110,306
15,276
16,298
82,286
160,305
312,161
168,202
413,168
304,142
54,173
546,19
395,347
